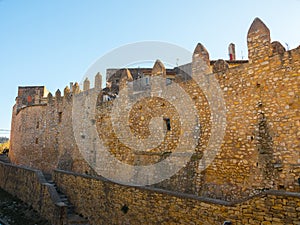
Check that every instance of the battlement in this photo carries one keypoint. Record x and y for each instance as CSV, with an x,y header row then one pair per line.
x,y
29,96
260,147
260,48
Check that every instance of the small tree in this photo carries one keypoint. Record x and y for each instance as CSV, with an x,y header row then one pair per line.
x,y
4,146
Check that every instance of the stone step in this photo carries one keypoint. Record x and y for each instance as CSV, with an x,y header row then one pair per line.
x,y
48,176
70,207
76,219
61,195
70,211
73,218
51,182
64,200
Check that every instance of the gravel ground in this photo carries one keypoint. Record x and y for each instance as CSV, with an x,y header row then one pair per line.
x,y
15,212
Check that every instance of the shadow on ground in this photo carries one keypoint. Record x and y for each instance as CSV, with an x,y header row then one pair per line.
x,y
15,212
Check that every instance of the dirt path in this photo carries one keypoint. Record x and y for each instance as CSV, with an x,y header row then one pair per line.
x,y
15,212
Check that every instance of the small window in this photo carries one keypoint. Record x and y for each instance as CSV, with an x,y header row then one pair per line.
x,y
124,209
37,124
169,81
36,140
147,80
168,123
59,116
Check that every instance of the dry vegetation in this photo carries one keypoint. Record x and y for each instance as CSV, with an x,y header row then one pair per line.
x,y
4,145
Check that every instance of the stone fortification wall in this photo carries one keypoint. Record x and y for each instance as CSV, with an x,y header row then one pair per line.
x,y
42,135
260,149
261,146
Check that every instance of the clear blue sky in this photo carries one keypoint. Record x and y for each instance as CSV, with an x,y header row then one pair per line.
x,y
53,42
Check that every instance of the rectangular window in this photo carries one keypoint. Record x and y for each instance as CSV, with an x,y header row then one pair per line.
x,y
147,80
59,116
36,140
168,123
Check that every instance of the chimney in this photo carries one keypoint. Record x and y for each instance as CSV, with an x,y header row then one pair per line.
x,y
71,87
231,51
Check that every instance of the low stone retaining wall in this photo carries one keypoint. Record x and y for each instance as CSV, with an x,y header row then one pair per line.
x,y
105,202
30,186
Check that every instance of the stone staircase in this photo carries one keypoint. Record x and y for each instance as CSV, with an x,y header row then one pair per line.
x,y
72,216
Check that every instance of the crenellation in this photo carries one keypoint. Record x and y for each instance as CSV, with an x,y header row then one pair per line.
x,y
67,91
158,69
57,94
86,84
50,98
76,88
98,81
201,61
277,48
260,149
259,42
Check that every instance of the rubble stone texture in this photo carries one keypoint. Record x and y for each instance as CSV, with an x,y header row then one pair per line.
x,y
260,149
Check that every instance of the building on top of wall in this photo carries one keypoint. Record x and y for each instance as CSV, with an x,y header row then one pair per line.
x,y
32,95
261,146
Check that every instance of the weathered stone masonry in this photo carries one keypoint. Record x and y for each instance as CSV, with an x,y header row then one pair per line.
x,y
104,202
260,150
30,186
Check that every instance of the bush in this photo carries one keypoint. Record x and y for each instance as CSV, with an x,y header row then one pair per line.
x,y
4,146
